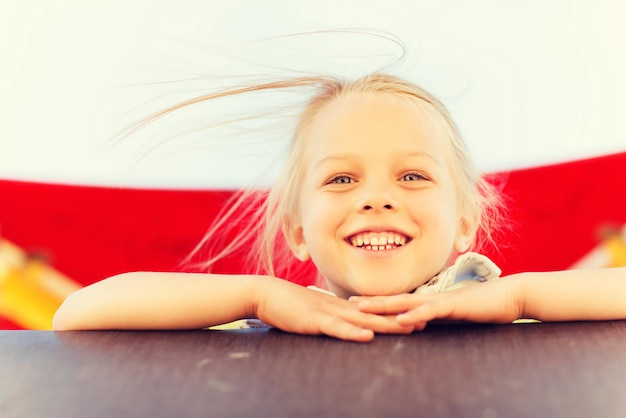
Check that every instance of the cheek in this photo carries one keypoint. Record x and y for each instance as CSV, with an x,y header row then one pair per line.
x,y
311,215
322,220
318,215
435,213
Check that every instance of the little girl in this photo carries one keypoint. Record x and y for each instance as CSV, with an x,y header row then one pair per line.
x,y
379,192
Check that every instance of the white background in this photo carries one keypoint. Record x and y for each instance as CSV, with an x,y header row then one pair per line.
x,y
529,82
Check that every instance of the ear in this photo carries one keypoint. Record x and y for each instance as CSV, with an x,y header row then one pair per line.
x,y
466,233
294,234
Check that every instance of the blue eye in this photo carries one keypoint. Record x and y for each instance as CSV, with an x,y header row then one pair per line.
x,y
341,180
413,177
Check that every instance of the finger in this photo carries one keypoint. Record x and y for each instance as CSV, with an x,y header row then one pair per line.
x,y
378,323
392,326
389,324
361,298
389,305
344,330
436,309
397,329
386,324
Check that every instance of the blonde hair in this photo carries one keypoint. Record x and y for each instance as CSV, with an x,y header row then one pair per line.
x,y
264,215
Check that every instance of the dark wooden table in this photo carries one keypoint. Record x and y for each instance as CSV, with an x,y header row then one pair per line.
x,y
529,370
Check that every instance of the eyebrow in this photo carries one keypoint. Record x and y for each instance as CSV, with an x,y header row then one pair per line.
x,y
346,156
421,154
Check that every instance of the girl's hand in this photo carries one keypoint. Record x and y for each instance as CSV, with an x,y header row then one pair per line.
x,y
293,308
495,301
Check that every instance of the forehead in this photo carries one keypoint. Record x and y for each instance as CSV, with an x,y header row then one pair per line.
x,y
374,123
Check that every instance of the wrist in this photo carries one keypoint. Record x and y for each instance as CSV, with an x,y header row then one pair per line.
x,y
518,284
257,290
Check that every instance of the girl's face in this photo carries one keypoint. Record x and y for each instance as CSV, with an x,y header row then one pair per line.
x,y
379,208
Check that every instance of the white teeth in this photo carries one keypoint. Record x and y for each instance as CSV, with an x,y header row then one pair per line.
x,y
378,241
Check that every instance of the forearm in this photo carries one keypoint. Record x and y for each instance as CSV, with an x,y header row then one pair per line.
x,y
573,294
160,301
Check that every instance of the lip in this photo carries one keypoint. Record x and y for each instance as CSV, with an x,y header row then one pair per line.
x,y
379,228
405,238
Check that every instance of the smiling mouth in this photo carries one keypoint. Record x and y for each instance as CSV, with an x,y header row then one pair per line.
x,y
378,241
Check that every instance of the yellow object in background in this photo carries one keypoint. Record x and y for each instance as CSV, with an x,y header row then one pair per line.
x,y
30,290
610,252
616,247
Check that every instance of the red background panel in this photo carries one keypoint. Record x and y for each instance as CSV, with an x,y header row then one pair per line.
x,y
557,212
91,232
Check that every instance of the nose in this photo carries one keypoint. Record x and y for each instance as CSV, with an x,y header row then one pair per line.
x,y
377,199
372,207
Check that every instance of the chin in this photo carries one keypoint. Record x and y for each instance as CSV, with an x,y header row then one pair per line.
x,y
373,285
384,290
